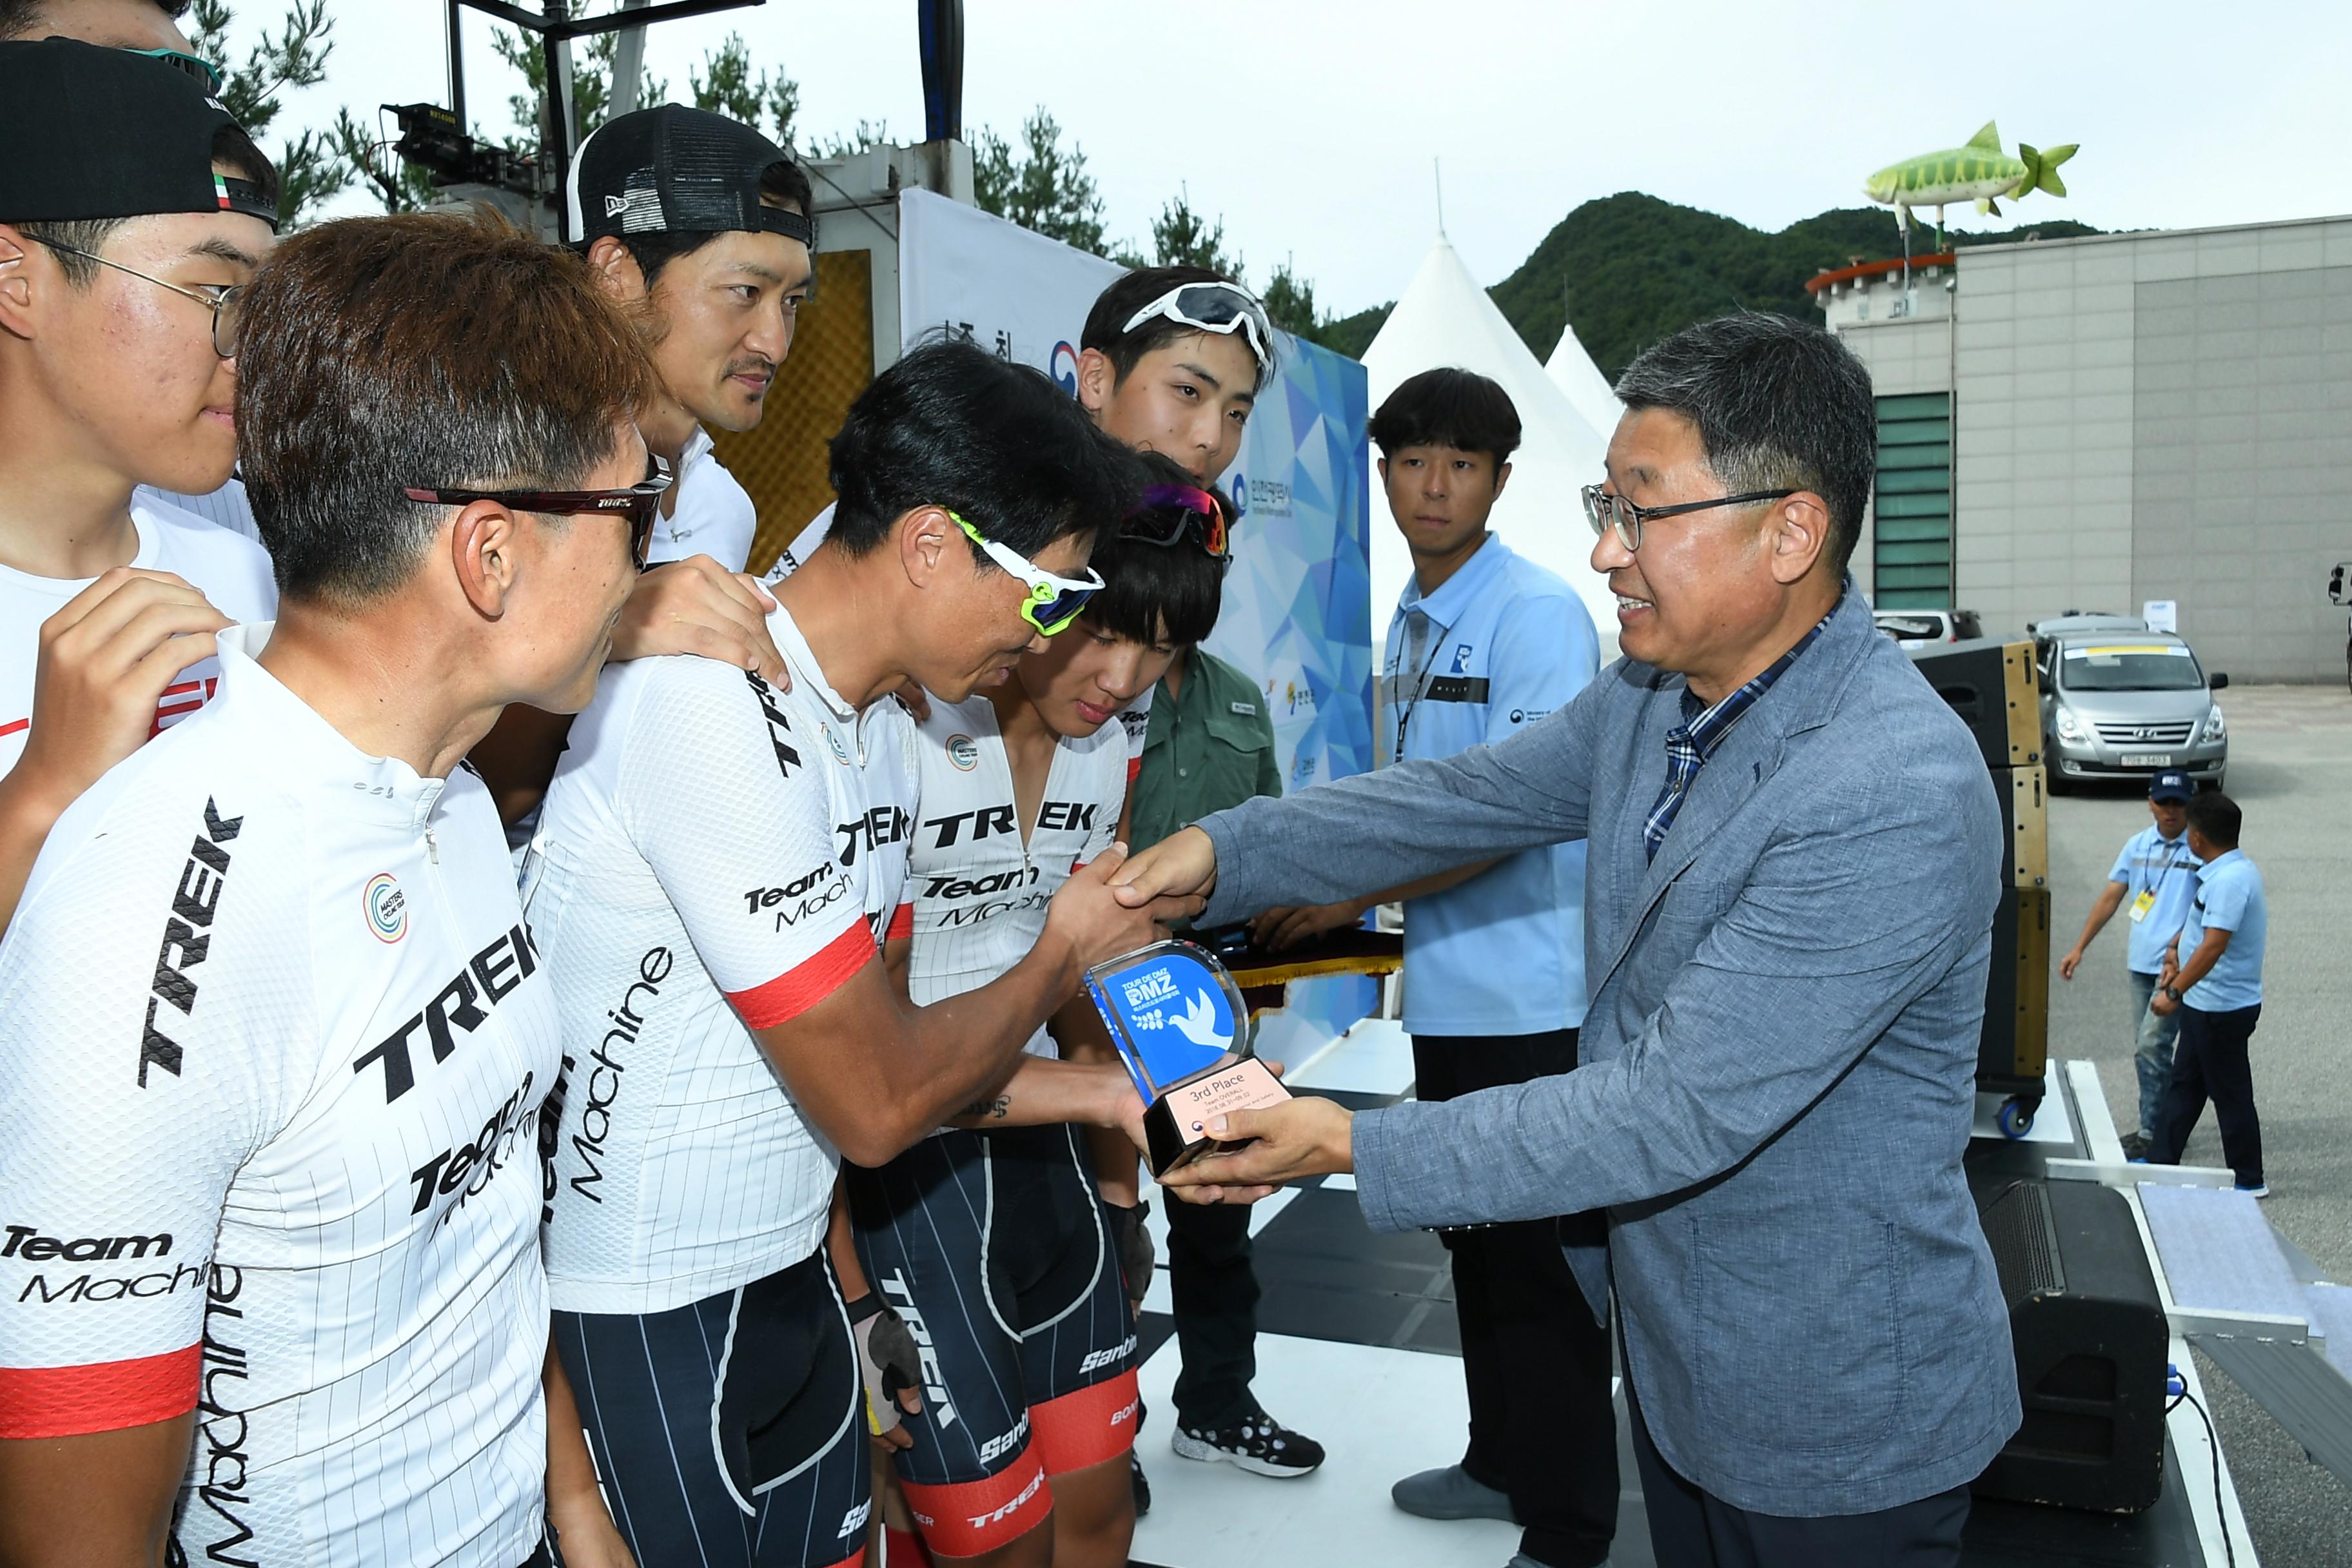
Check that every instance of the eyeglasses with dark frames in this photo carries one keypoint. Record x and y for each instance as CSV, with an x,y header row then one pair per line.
x,y
225,300
640,503
1605,512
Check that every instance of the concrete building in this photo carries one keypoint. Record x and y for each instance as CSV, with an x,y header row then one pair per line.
x,y
2093,424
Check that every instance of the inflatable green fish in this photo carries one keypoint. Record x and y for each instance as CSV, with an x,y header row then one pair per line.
x,y
1980,171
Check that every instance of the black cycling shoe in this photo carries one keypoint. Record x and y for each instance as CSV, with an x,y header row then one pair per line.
x,y
1141,1483
1260,1444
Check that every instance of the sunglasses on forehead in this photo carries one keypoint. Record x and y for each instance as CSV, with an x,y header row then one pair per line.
x,y
640,503
1189,511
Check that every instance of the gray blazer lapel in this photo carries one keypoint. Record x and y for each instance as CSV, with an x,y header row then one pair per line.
x,y
1800,699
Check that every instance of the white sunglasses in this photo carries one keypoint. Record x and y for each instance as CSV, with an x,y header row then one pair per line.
x,y
1220,307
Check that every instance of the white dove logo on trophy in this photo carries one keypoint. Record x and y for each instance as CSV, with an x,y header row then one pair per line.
x,y
1198,1022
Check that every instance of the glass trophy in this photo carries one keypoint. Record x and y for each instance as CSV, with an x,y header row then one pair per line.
x,y
1181,1028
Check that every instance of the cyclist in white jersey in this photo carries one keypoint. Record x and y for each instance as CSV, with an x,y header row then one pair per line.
x,y
130,208
718,868
994,1240
271,1283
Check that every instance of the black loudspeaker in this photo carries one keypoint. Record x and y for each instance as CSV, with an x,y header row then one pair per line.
x,y
2013,1051
2091,1342
1993,688
2024,796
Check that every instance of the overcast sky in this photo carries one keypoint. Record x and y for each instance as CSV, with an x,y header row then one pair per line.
x,y
1310,127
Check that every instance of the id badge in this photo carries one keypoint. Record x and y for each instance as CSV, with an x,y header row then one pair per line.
x,y
2141,905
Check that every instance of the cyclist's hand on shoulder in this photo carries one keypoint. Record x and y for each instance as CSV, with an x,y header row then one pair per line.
x,y
697,606
105,659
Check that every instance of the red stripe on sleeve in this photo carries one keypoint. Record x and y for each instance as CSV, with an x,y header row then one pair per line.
x,y
103,1396
1134,769
902,923
808,983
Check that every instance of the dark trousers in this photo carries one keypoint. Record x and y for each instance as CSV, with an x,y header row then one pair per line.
x,y
2209,1063
1535,1359
1690,1528
1214,1293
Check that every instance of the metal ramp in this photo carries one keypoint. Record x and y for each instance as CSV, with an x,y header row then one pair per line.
x,y
2234,1287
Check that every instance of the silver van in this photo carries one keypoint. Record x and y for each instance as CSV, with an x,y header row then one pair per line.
x,y
2126,704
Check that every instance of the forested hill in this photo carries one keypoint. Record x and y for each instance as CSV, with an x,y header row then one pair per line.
x,y
1630,269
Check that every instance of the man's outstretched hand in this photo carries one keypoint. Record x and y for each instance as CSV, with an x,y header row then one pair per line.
x,y
1182,865
1307,1136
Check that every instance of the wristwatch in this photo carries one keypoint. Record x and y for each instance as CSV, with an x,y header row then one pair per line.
x,y
2171,994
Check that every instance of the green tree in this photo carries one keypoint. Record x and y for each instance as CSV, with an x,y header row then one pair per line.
x,y
1181,238
845,144
309,169
397,185
592,83
1290,304
1041,187
729,89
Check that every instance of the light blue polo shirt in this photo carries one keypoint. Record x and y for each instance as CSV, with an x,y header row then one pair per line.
x,y
1500,644
2166,866
2228,898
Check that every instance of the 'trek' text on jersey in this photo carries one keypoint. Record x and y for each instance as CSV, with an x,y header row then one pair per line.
x,y
186,937
981,890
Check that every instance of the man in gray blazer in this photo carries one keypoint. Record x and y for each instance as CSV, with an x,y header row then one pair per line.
x,y
1794,852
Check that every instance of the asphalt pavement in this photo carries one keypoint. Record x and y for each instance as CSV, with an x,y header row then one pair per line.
x,y
2291,769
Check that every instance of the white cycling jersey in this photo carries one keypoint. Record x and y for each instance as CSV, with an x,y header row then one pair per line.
x,y
276,1038
230,570
709,514
228,507
1134,721
978,887
716,857
794,557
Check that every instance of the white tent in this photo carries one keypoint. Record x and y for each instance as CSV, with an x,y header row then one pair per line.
x,y
1445,318
1588,390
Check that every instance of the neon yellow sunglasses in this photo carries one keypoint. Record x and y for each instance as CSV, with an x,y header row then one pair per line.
x,y
1054,602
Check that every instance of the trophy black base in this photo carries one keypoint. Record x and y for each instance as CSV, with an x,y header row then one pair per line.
x,y
1175,1126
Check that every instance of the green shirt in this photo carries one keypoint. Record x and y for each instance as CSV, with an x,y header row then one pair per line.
x,y
1210,747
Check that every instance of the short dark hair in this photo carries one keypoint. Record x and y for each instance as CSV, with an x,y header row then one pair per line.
x,y
1106,328
1145,585
953,426
1778,403
1448,408
231,148
785,183
436,349
2216,817
18,16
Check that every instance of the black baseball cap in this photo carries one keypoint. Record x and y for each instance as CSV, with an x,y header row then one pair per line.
x,y
672,169
94,132
2171,784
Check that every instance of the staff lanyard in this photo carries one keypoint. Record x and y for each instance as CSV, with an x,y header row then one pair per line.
x,y
2172,863
1420,683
